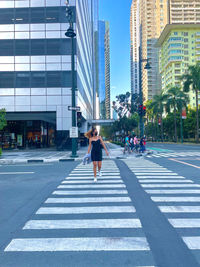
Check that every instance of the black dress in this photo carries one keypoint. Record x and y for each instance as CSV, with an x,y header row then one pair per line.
x,y
96,153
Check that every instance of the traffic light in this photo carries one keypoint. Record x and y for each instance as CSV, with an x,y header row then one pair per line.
x,y
79,119
140,110
144,110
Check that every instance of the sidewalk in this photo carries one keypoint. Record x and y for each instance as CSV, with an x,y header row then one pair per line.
x,y
40,155
52,155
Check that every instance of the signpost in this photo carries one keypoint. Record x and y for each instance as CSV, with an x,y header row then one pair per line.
x,y
74,132
70,108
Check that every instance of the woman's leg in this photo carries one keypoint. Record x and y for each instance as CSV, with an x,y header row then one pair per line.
x,y
99,165
95,168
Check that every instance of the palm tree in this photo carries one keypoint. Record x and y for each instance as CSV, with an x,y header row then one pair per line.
x,y
192,82
157,106
176,100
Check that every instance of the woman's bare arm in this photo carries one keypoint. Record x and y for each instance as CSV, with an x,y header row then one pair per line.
x,y
102,142
90,145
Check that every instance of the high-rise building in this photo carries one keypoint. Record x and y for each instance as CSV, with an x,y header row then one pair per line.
x,y
153,18
104,69
107,69
35,68
179,48
184,11
135,43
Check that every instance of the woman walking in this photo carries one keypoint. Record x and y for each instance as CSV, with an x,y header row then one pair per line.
x,y
95,146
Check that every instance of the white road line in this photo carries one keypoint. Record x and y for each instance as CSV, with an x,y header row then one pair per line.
x,y
165,181
176,199
193,242
88,200
156,174
10,173
169,185
93,186
91,177
90,182
86,210
180,209
82,224
151,171
185,223
148,169
79,244
173,191
91,172
91,192
160,177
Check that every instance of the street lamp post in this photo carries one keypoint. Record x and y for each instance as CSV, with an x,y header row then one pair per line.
x,y
71,34
147,67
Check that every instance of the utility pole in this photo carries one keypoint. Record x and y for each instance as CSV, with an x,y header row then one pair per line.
x,y
71,34
147,67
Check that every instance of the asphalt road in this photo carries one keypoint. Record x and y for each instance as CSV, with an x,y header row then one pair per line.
x,y
142,212
173,147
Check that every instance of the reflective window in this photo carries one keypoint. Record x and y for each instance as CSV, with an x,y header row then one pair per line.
x,y
22,47
37,15
38,79
65,48
38,47
67,79
6,79
6,15
52,14
22,79
63,17
54,79
41,14
53,46
6,48
22,15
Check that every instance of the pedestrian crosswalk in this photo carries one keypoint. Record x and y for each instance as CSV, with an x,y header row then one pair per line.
x,y
81,216
174,154
177,197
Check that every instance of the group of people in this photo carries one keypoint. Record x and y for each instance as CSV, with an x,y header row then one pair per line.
x,y
132,143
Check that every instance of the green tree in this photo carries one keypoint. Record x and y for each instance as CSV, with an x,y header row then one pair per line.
x,y
176,100
3,122
157,105
122,105
192,82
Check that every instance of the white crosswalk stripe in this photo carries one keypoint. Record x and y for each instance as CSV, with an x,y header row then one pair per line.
x,y
93,204
157,180
174,154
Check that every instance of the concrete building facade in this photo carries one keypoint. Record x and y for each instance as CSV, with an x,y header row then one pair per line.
x,y
135,43
179,48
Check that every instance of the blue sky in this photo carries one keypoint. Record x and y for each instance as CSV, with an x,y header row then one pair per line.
x,y
117,12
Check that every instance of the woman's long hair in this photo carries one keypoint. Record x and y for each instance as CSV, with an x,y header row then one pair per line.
x,y
90,133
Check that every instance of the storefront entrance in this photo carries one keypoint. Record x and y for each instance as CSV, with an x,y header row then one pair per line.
x,y
28,133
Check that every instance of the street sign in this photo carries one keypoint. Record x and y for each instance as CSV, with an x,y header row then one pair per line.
x,y
70,108
74,132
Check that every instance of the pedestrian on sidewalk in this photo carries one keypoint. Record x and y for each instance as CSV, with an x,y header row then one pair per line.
x,y
95,146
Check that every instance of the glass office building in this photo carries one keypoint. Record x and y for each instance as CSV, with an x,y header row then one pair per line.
x,y
35,70
104,70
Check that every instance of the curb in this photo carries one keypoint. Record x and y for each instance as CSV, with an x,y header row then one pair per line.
x,y
29,161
